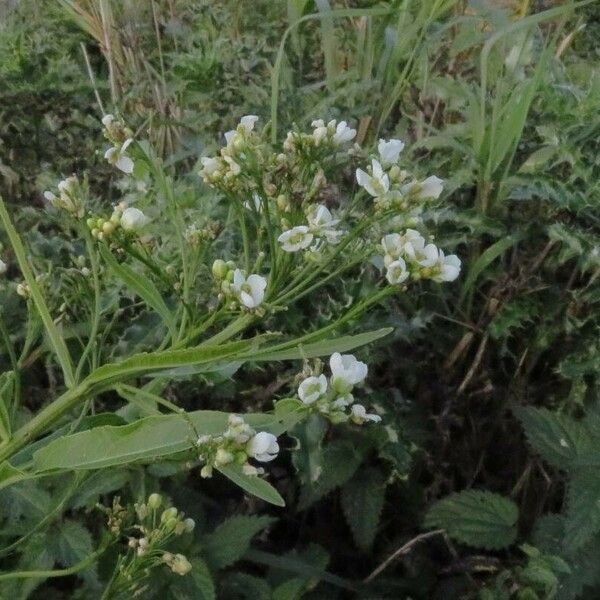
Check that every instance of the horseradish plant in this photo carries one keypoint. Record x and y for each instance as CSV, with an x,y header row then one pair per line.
x,y
207,276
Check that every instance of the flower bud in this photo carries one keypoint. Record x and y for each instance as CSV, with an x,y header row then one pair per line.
x,y
167,514
189,525
206,471
108,227
219,269
154,501
223,457
180,565
171,524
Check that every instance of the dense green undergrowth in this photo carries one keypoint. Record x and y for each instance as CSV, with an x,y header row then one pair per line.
x,y
481,479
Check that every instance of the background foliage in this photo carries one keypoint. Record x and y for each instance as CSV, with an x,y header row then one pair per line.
x,y
491,489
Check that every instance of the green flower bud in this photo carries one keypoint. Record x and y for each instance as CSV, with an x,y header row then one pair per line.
x,y
219,269
154,501
167,514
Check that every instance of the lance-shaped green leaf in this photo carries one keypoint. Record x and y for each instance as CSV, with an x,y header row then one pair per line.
x,y
149,438
294,350
145,363
142,286
252,484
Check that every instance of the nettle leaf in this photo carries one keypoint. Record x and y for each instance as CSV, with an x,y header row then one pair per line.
x,y
242,585
72,543
340,459
362,502
559,439
477,518
583,508
148,438
231,539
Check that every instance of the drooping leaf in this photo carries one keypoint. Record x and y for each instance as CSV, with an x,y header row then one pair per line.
x,y
477,518
231,539
256,486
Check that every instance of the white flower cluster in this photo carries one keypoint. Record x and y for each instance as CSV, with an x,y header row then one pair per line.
x,y
248,291
217,170
236,445
128,218
406,255
321,227
330,135
121,137
332,397
68,198
390,186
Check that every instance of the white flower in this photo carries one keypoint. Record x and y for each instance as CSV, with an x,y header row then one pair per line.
x,y
319,134
343,133
118,157
392,245
449,267
322,223
297,238
396,272
210,165
256,202
312,388
359,415
251,290
107,120
3,267
390,151
234,168
412,243
318,123
133,219
376,184
247,122
263,446
346,369
229,135
68,185
431,187
429,256
445,268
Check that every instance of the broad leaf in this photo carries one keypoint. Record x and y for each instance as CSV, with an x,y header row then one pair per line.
x,y
477,518
231,539
559,439
148,438
362,502
583,508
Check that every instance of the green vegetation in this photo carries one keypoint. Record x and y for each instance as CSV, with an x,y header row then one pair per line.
x,y
180,414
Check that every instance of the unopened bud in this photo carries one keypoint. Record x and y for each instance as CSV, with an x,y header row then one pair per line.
x,y
219,269
154,501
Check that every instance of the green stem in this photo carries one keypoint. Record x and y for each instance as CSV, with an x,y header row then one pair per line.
x,y
56,340
80,566
14,363
97,302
